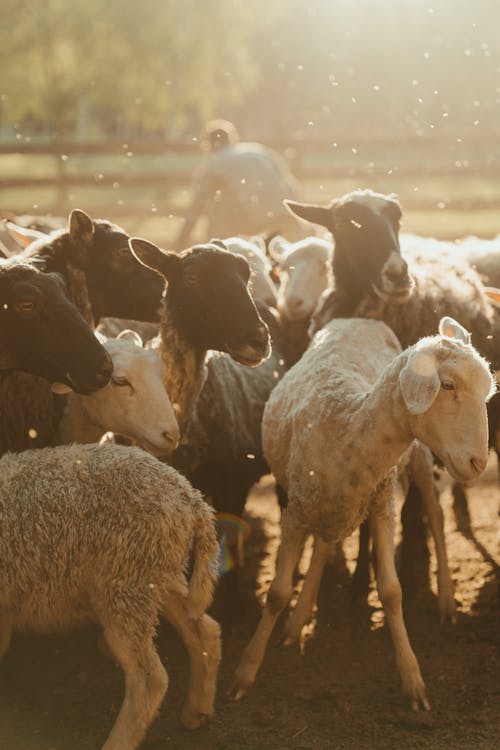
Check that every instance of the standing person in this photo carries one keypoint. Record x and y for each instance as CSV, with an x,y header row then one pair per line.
x,y
240,188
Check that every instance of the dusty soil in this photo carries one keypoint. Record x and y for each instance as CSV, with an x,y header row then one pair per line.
x,y
341,692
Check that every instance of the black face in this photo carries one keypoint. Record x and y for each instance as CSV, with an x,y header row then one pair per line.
x,y
117,284
208,298
367,257
366,239
42,333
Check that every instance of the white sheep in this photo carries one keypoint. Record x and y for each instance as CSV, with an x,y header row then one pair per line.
x,y
261,286
103,534
134,403
334,430
304,270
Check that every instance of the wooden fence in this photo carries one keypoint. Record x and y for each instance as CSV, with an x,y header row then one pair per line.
x,y
311,161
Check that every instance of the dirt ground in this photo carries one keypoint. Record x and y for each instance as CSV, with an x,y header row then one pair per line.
x,y
341,692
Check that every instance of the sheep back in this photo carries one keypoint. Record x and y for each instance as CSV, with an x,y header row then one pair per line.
x,y
312,409
86,525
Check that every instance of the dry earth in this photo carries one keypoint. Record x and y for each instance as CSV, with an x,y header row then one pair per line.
x,y
341,692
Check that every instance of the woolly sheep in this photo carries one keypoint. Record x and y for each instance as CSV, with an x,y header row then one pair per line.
x,y
221,400
206,305
133,404
101,275
42,333
372,279
103,534
304,273
261,286
410,294
354,387
483,255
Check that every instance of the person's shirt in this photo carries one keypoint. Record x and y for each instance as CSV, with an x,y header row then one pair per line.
x,y
241,189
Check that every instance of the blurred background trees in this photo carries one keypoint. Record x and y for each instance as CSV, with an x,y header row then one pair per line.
x,y
90,69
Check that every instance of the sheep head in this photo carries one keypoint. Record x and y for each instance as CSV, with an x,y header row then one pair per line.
x,y
445,385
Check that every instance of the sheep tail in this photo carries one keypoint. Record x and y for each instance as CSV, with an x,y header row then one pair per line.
x,y
206,562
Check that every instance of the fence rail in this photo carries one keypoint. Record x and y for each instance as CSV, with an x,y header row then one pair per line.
x,y
311,160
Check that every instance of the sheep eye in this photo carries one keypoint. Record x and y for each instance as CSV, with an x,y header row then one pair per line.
x,y
447,385
120,381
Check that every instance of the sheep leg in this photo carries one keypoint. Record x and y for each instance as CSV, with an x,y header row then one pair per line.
x,y
5,634
389,589
202,640
145,686
280,592
307,598
422,469
361,576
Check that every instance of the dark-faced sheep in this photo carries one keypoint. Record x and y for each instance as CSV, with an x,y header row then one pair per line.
x,y
410,294
102,278
42,332
207,307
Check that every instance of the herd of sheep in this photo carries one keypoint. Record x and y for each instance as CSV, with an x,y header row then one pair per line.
x,y
340,366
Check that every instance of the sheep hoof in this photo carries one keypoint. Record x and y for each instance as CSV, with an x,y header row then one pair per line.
x,y
447,610
237,691
191,718
288,639
415,689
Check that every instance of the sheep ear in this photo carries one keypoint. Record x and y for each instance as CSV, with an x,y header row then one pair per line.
x,y
81,226
130,336
493,295
277,246
152,257
260,242
310,212
450,329
419,382
22,235
218,243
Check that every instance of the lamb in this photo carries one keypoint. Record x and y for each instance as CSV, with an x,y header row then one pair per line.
x,y
220,401
42,332
103,534
133,404
304,272
354,387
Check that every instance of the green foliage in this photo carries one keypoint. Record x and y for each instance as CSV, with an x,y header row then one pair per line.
x,y
144,63
275,66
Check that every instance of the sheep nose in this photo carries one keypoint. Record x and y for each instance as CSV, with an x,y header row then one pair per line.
x,y
398,274
103,374
478,464
259,336
173,440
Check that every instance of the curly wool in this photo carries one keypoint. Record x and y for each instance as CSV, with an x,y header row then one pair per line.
x,y
443,286
221,450
88,530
